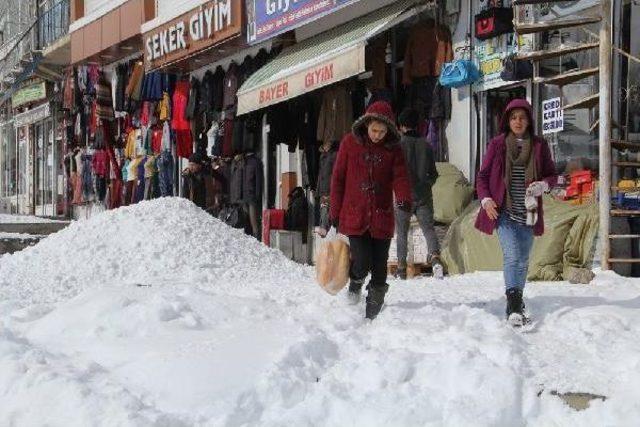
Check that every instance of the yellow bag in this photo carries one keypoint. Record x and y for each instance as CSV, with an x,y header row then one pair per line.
x,y
164,107
332,265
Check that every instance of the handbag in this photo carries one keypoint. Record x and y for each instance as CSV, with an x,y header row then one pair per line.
x,y
493,22
515,69
460,72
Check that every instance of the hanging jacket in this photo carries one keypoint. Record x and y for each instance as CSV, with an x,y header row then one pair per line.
x,y
180,99
194,100
218,89
230,86
336,114
104,103
427,49
252,180
236,180
327,161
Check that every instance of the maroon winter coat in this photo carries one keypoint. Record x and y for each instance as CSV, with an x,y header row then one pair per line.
x,y
366,175
490,178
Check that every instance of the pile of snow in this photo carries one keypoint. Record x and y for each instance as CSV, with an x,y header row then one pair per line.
x,y
21,219
226,332
159,242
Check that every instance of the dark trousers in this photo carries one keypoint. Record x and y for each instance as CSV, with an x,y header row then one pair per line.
x,y
369,255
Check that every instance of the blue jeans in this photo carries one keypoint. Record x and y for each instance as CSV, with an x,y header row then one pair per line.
x,y
165,173
516,241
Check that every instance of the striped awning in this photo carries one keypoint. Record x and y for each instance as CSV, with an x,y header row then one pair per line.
x,y
319,61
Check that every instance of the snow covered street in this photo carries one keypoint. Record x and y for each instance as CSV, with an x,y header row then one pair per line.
x,y
158,314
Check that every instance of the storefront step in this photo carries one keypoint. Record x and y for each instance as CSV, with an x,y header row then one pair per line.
x,y
33,228
14,242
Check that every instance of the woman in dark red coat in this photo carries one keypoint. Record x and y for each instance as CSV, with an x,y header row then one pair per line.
x,y
369,168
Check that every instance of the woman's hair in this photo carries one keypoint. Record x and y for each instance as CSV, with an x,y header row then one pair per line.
x,y
506,118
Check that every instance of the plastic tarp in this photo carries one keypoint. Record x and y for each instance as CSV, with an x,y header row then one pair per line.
x,y
451,193
568,241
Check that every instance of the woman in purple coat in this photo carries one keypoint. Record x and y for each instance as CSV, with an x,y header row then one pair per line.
x,y
517,169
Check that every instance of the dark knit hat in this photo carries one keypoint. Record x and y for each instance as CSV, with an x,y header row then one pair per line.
x,y
380,111
409,118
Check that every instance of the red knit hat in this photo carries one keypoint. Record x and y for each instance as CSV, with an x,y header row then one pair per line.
x,y
380,111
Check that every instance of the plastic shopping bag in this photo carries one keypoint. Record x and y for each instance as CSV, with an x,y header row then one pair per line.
x,y
332,263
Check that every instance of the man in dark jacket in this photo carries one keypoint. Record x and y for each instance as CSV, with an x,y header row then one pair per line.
x,y
422,171
328,153
193,181
369,169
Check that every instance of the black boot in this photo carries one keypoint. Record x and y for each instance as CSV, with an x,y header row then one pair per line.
x,y
515,307
375,300
401,273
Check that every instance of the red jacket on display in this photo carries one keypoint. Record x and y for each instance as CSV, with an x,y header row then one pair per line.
x,y
180,99
366,175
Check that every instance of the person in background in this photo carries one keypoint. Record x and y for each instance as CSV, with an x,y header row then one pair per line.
x,y
369,169
421,166
517,169
193,181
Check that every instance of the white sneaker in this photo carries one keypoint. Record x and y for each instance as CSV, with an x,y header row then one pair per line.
x,y
438,270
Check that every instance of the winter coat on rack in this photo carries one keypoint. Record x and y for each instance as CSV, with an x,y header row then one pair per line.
x,y
252,180
428,48
206,93
218,89
281,131
305,110
236,180
230,86
152,87
327,161
121,75
366,176
104,103
376,58
133,89
180,98
336,114
194,100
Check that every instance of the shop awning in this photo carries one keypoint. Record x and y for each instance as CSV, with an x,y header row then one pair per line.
x,y
319,61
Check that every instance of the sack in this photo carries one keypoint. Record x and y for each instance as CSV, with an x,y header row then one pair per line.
x,y
494,22
515,69
297,215
234,216
458,73
332,264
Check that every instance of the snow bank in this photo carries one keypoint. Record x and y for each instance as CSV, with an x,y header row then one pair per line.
x,y
13,219
159,242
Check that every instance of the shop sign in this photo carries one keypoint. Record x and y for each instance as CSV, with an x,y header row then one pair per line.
x,y
490,53
31,93
268,18
552,116
349,63
203,27
41,112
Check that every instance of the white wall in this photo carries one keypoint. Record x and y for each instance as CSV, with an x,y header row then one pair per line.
x,y
91,6
459,132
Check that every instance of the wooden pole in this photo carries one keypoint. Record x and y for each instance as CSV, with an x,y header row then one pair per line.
x,y
604,130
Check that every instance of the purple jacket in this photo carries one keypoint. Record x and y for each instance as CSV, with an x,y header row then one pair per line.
x,y
490,178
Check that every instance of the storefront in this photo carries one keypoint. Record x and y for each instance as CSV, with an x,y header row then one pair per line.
x,y
313,91
30,153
